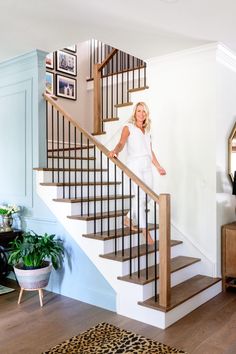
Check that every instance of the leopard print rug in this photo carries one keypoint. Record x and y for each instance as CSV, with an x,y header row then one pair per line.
x,y
108,339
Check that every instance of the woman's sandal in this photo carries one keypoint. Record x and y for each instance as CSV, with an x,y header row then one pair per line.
x,y
150,241
127,224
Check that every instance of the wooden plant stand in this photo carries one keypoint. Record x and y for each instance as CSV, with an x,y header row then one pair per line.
x,y
40,291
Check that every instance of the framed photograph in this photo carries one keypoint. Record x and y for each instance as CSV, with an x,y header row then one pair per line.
x,y
66,87
50,61
71,48
50,82
66,63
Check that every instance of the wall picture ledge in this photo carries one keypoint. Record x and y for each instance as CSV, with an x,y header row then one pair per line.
x,y
66,63
66,87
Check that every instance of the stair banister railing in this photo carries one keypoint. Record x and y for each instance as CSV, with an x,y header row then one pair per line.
x,y
163,199
97,71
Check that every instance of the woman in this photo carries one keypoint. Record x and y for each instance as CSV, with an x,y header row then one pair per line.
x,y
136,136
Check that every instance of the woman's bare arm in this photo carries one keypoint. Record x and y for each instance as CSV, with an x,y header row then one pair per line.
x,y
155,162
119,147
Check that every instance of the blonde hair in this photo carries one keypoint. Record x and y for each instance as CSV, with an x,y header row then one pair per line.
x,y
147,122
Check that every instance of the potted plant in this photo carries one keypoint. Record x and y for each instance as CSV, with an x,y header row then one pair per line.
x,y
6,212
33,256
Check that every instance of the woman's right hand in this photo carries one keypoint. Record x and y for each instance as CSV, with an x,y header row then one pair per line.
x,y
112,153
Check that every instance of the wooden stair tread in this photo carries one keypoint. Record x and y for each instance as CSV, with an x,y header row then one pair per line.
x,y
110,119
91,199
182,292
98,216
123,104
116,233
79,184
101,133
70,169
142,251
138,89
176,263
71,157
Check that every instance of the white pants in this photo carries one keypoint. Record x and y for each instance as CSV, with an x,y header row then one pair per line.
x,y
142,167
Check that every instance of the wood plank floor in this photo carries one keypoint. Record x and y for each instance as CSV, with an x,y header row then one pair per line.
x,y
29,329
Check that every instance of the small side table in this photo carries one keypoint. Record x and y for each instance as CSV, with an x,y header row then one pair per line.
x,y
5,238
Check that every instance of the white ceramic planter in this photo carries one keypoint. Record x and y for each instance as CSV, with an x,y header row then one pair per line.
x,y
33,278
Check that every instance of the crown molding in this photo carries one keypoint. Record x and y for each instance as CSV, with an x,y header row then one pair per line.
x,y
226,56
209,47
26,61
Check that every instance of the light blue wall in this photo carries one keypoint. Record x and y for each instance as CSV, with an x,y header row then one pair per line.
x,y
22,146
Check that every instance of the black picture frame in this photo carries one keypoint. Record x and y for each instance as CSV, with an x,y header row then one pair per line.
x,y
50,61
71,48
66,87
66,63
49,82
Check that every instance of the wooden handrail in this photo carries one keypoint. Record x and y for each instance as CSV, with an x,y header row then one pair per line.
x,y
102,148
107,59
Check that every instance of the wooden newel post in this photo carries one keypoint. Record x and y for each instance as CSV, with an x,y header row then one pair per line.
x,y
164,250
97,123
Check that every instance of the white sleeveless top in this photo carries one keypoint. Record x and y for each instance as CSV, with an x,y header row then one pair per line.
x,y
138,144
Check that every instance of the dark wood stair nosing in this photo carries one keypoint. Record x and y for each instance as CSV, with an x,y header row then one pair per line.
x,y
187,261
105,237
150,303
99,216
50,169
91,199
77,184
126,257
138,89
125,104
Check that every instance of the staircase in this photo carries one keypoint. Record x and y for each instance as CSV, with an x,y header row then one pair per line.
x,y
90,195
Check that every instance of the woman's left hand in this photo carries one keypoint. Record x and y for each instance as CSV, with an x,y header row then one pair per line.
x,y
161,170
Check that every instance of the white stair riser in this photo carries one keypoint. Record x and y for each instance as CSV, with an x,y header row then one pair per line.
x,y
71,163
74,176
77,208
71,153
112,223
86,190
143,262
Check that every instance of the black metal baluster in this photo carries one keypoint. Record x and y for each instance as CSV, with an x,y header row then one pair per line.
x,y
101,192
130,225
81,172
94,189
155,248
122,78
115,210
122,201
47,122
108,196
145,75
138,73
107,95
75,163
88,173
52,144
112,84
69,160
117,78
63,154
138,231
58,147
133,72
146,207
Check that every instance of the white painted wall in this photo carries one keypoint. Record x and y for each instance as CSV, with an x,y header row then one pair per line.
x,y
182,101
79,109
226,117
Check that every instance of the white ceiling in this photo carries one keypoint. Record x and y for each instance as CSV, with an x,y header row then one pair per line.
x,y
144,28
